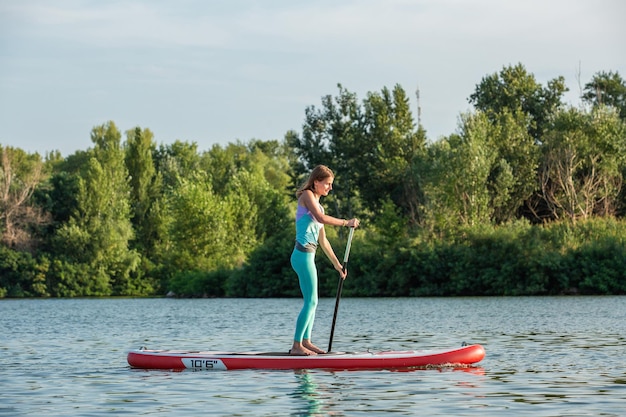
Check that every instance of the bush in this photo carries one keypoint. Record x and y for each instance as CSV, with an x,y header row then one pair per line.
x,y
21,275
268,272
512,259
199,283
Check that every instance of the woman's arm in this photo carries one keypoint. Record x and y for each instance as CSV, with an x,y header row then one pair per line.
x,y
307,199
330,253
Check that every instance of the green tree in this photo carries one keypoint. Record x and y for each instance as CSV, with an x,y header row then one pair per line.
x,y
515,89
330,137
59,198
583,162
222,164
264,180
145,188
370,146
512,179
20,174
259,171
270,160
267,159
98,233
386,147
176,161
203,234
59,195
607,88
456,176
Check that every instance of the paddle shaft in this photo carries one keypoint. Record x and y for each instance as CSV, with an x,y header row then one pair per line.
x,y
339,288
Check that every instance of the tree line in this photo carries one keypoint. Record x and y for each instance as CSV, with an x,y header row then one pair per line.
x,y
526,197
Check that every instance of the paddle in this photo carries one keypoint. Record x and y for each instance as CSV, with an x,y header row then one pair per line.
x,y
340,287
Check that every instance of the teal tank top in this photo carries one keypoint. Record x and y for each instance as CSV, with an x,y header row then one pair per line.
x,y
307,228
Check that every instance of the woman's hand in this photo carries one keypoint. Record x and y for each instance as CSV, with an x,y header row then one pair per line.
x,y
342,274
353,222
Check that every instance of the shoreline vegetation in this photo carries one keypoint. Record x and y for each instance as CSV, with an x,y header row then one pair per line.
x,y
527,197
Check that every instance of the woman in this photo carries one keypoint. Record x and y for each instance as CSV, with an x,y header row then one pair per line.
x,y
310,221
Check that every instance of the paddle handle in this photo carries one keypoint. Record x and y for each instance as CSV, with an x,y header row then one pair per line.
x,y
347,252
340,287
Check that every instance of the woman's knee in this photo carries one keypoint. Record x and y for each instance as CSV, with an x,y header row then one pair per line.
x,y
311,303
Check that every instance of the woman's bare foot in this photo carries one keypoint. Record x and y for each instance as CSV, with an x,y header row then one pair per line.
x,y
299,350
308,345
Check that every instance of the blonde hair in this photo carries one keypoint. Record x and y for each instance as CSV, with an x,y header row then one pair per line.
x,y
319,173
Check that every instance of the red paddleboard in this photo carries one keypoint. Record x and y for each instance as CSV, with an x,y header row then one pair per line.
x,y
180,359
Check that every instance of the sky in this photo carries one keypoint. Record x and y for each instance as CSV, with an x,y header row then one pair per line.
x,y
219,72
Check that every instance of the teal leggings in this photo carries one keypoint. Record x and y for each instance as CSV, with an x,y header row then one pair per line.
x,y
304,265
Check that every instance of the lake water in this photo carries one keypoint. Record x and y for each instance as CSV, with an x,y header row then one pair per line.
x,y
560,356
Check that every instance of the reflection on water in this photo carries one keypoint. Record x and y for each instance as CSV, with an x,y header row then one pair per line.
x,y
314,398
545,357
307,391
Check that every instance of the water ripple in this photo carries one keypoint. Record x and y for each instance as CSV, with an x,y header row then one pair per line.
x,y
562,356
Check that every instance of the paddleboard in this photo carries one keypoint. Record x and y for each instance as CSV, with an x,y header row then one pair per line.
x,y
182,359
